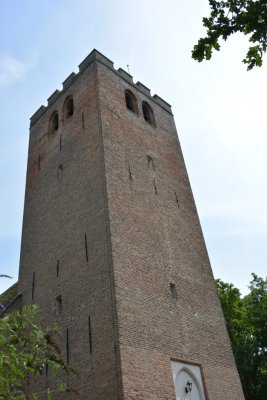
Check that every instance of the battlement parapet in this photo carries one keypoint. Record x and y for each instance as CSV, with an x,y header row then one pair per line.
x,y
163,103
125,75
68,81
95,55
53,97
41,110
143,88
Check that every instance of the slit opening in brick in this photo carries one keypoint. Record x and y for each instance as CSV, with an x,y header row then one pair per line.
x,y
177,198
173,291
130,173
150,162
67,346
33,285
82,121
57,267
155,187
39,162
90,335
58,305
60,171
86,247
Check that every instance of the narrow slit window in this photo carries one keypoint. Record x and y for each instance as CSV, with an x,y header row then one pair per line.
x,y
58,305
67,346
177,199
173,291
130,173
39,162
90,335
60,172
86,247
33,285
82,120
60,142
151,164
155,187
57,268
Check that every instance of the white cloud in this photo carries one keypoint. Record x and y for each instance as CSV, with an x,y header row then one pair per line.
x,y
11,70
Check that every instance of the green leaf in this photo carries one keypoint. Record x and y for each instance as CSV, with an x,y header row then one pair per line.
x,y
228,17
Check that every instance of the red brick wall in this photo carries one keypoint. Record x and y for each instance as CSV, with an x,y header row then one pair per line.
x,y
156,242
58,213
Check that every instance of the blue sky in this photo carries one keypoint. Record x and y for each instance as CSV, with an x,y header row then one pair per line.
x,y
219,110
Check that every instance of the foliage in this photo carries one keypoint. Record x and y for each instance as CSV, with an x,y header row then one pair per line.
x,y
246,321
8,294
228,17
25,351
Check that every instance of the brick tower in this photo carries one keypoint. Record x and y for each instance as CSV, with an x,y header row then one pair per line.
x,y
112,248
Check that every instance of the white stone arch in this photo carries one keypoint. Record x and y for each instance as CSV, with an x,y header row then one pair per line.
x,y
182,373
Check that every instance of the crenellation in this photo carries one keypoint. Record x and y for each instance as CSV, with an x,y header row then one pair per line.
x,y
163,103
143,88
125,74
95,55
53,97
86,62
68,81
34,118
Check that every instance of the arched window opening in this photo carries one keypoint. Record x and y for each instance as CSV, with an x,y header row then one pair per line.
x,y
148,114
130,101
54,122
69,107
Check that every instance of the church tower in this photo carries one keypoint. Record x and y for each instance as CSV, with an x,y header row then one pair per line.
x,y
112,247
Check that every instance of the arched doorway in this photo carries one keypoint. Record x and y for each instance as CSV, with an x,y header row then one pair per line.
x,y
187,381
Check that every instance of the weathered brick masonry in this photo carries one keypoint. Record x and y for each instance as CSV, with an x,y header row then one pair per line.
x,y
112,248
